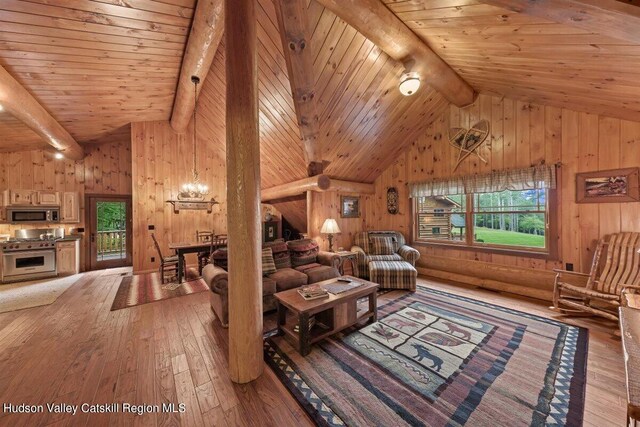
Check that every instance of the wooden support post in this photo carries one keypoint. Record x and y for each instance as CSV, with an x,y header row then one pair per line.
x,y
309,214
295,36
243,193
18,102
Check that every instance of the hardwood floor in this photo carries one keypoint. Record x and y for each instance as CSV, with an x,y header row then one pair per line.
x,y
77,351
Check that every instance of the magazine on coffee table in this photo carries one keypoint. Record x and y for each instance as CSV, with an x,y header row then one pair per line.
x,y
312,292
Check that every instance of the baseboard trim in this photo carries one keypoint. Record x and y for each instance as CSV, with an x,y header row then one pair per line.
x,y
495,285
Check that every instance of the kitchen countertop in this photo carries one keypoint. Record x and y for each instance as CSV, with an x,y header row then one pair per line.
x,y
70,238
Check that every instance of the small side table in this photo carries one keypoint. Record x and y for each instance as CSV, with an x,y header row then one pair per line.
x,y
352,259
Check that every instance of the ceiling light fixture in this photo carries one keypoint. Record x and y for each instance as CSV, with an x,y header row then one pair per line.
x,y
194,190
59,156
409,83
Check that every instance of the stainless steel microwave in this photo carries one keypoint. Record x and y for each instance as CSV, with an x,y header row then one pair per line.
x,y
29,214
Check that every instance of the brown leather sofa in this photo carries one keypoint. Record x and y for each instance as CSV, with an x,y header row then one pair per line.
x,y
292,271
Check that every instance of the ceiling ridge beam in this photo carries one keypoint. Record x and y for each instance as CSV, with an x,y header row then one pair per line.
x,y
17,101
380,25
611,18
293,24
204,38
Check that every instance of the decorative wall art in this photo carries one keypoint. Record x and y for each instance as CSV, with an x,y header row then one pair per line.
x,y
349,207
609,186
467,141
392,201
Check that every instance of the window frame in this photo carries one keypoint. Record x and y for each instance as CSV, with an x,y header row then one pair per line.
x,y
550,252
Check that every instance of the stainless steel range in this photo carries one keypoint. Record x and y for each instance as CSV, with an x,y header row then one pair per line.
x,y
30,255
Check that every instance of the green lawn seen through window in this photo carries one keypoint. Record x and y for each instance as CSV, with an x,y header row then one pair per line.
x,y
505,237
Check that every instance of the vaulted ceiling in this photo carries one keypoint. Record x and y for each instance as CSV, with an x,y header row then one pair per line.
x,y
97,65
526,57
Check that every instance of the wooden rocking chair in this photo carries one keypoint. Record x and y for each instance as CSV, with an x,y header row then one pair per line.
x,y
615,268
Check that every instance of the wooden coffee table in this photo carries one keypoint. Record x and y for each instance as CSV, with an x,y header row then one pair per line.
x,y
335,313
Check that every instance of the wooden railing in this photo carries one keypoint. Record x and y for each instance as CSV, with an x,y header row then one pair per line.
x,y
112,242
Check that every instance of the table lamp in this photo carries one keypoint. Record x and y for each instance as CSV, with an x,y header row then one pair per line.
x,y
330,227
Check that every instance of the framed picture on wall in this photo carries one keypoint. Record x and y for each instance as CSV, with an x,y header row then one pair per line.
x,y
349,207
270,231
609,186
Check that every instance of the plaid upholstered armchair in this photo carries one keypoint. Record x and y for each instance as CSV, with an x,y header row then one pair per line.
x,y
385,258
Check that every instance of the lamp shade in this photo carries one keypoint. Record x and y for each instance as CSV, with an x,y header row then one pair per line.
x,y
330,226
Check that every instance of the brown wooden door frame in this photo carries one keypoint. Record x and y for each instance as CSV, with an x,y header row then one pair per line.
x,y
90,203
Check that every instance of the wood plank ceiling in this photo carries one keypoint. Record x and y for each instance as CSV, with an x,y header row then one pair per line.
x,y
97,65
364,119
504,53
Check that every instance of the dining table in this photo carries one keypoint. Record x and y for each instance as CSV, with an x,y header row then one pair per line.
x,y
183,248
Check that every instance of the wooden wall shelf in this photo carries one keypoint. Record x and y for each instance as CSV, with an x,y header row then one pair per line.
x,y
197,205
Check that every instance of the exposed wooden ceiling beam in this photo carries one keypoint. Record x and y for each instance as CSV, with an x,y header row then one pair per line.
x,y
295,36
377,23
18,102
206,32
615,19
318,183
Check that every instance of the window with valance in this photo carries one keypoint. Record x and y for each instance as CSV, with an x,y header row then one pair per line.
x,y
510,210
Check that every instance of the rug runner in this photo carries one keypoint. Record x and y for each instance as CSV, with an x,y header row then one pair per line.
x,y
147,288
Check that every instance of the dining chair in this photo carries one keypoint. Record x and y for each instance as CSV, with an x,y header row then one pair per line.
x,y
218,241
204,236
203,257
167,264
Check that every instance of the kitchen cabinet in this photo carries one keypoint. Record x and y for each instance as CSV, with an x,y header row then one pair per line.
x,y
68,257
70,208
48,198
20,197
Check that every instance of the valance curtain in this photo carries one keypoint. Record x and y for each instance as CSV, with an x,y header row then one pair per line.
x,y
517,179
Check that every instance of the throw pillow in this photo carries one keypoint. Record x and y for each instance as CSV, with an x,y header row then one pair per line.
x,y
382,245
268,263
280,254
303,251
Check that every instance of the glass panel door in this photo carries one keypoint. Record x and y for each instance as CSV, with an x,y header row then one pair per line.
x,y
110,231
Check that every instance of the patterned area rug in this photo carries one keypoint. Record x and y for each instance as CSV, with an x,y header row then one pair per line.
x,y
146,288
438,359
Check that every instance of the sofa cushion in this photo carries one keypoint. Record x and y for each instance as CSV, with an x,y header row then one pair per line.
x,y
394,257
304,268
382,245
288,278
268,286
268,264
303,251
322,272
220,258
280,252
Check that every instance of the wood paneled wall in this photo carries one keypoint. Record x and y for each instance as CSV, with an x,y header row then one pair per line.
x,y
522,134
162,163
106,169
327,205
